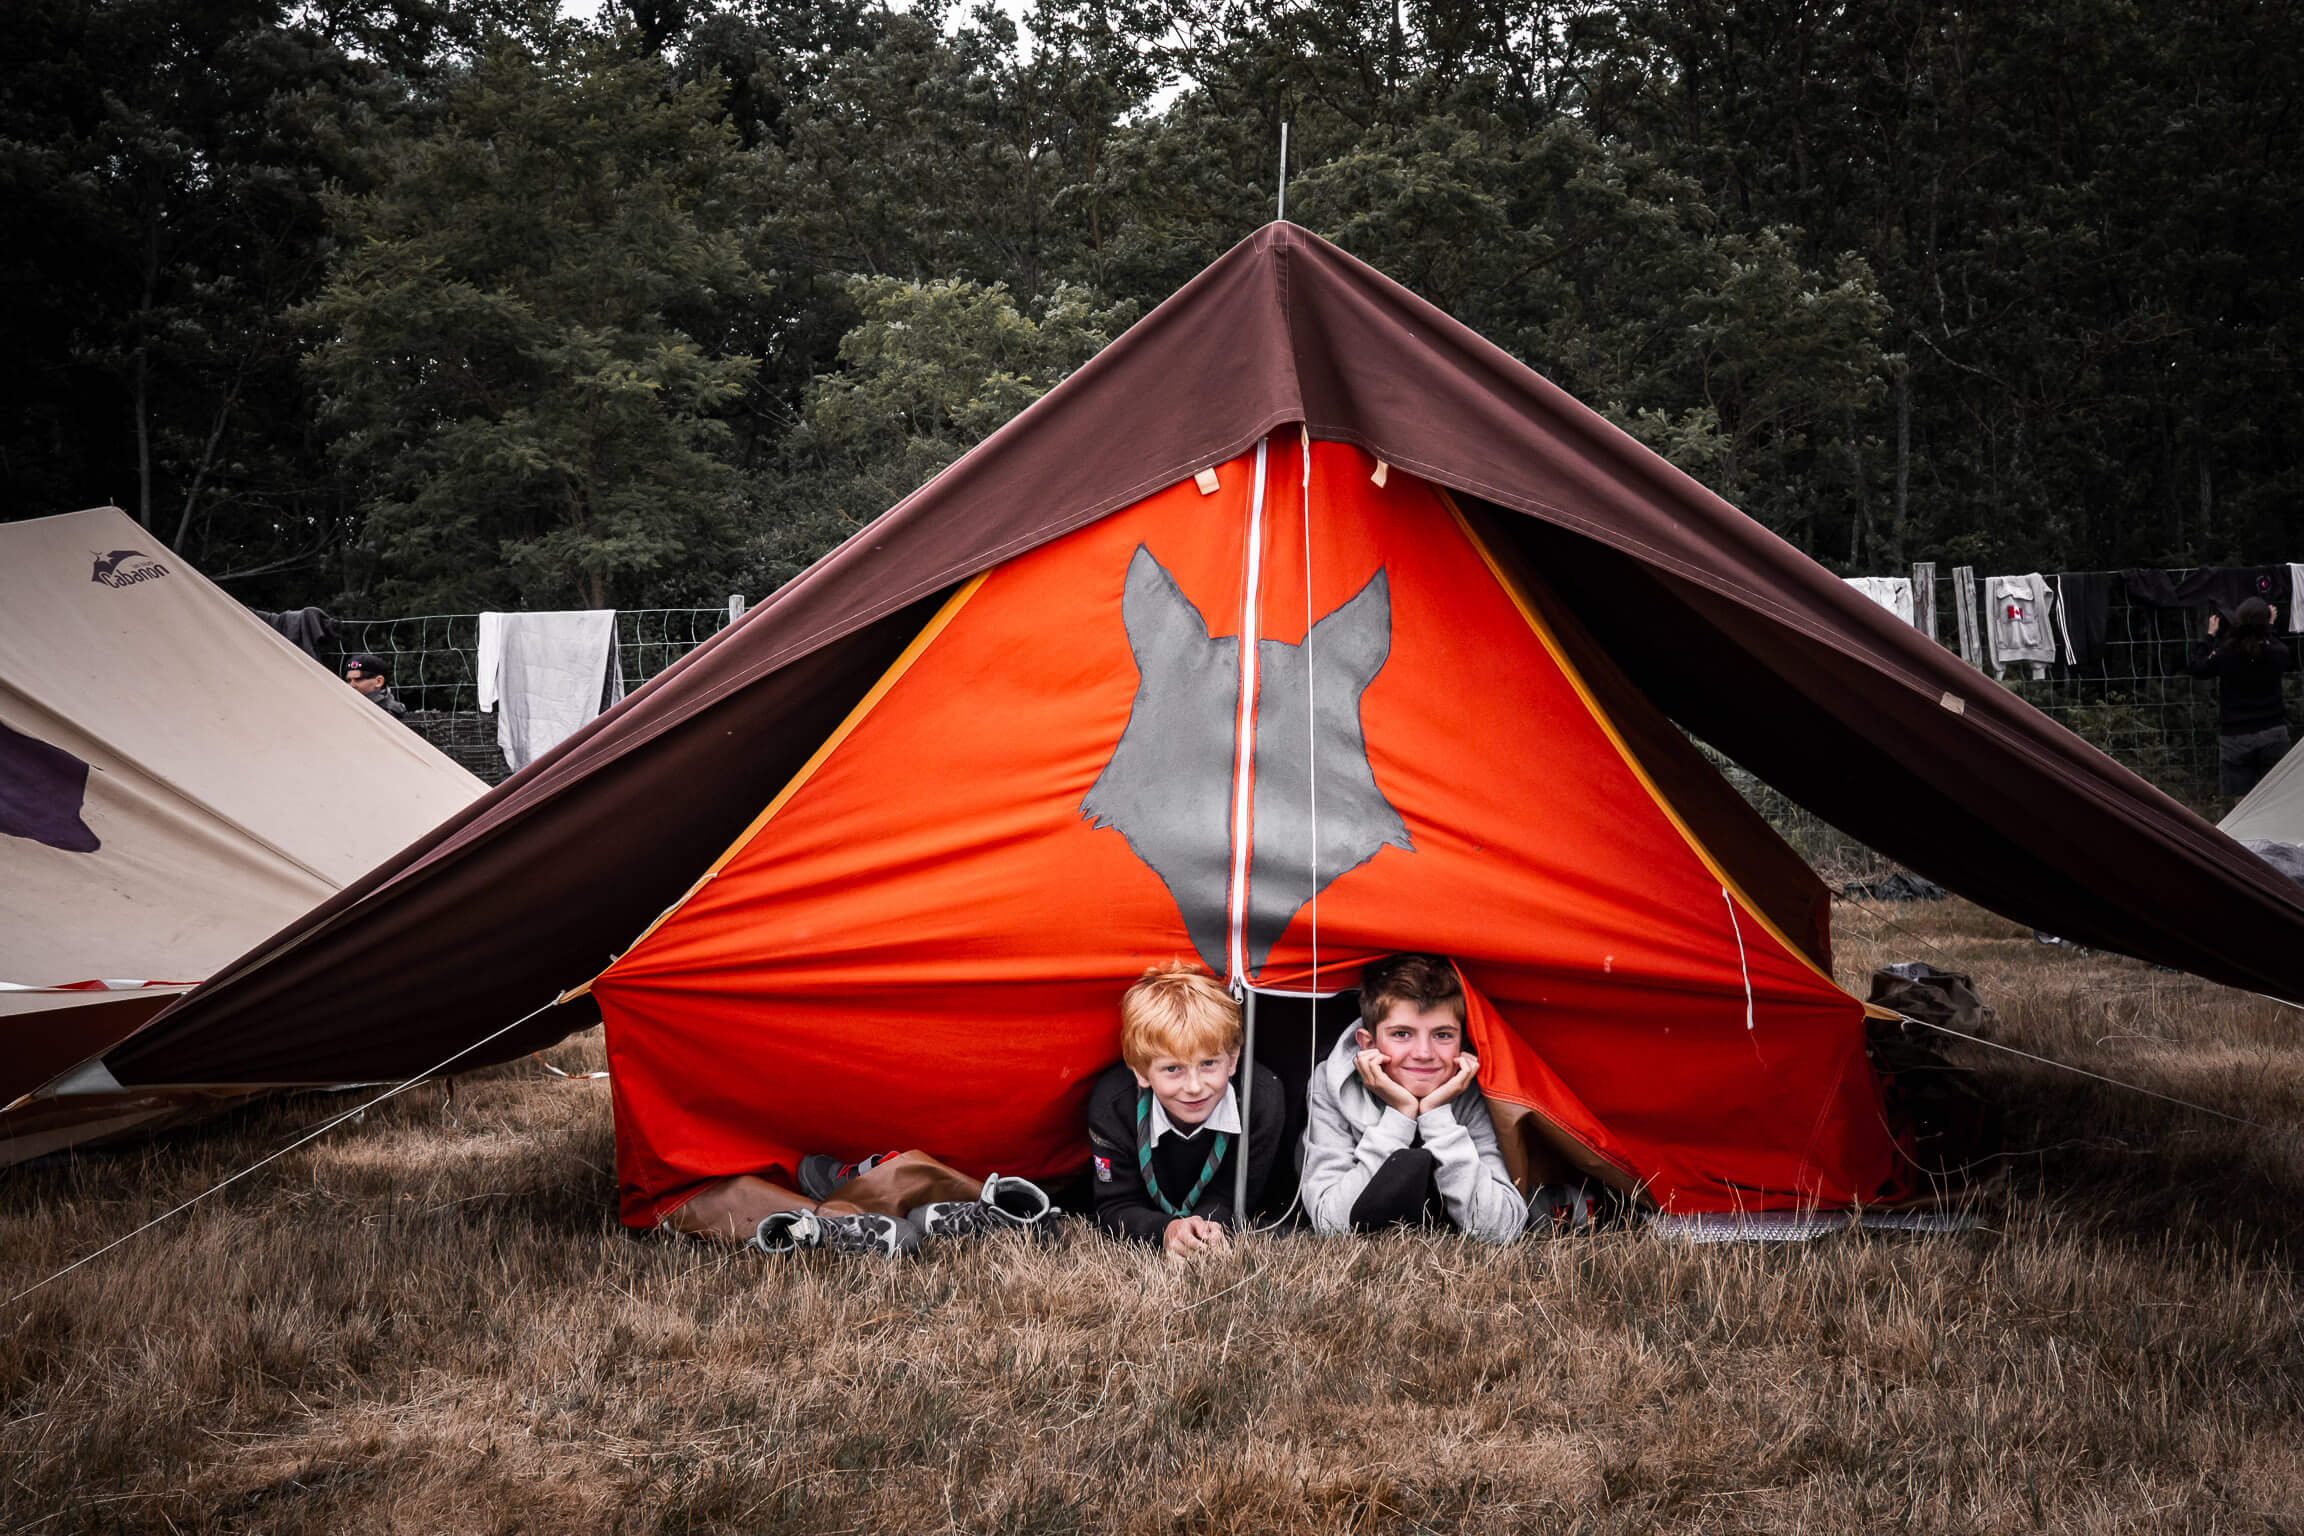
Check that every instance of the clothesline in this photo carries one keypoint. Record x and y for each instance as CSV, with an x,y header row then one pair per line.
x,y
2038,619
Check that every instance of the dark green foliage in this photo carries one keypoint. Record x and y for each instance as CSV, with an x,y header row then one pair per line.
x,y
1607,272
931,370
161,171
502,344
634,310
2082,217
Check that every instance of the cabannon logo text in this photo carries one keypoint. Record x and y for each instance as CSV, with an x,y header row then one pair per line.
x,y
126,567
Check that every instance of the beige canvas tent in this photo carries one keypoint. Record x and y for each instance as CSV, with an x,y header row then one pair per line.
x,y
2272,812
176,781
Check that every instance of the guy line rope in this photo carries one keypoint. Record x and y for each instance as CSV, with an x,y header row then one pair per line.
x,y
2050,1061
324,1128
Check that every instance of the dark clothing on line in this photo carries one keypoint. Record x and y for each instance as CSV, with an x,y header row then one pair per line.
x,y
1124,1207
307,627
2154,589
2228,588
1405,1192
2243,760
2247,687
2084,610
2224,588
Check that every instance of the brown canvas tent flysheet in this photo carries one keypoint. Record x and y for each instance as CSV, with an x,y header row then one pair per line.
x,y
1737,635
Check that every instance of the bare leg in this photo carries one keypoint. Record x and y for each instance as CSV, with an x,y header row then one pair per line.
x,y
730,1210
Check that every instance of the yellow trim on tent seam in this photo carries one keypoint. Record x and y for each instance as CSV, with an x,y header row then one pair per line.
x,y
864,706
1568,670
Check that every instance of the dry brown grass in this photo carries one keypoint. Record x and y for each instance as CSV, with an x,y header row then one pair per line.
x,y
430,1322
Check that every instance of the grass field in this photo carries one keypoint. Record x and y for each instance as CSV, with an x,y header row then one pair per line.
x,y
430,1321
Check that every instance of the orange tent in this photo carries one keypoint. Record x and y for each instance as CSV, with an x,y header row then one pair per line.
x,y
1287,723
962,778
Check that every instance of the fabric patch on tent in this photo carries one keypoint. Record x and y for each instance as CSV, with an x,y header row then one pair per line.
x,y
41,788
1206,480
1954,703
1167,787
1334,665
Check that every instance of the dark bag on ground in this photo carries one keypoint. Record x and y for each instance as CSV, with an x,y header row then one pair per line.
x,y
1935,1107
1900,886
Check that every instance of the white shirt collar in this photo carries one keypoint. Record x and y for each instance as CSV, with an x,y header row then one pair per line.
x,y
1224,1117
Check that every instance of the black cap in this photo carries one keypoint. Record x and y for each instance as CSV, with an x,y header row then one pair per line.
x,y
367,664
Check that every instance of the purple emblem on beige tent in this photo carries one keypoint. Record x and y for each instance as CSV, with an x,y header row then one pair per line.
x,y
40,792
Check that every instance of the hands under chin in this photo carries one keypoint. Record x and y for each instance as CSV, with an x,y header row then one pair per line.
x,y
1467,1068
1379,1082
1387,1091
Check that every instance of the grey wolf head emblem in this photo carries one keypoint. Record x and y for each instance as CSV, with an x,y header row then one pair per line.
x,y
108,568
41,788
1168,786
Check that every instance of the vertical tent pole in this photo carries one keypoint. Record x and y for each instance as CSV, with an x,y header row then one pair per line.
x,y
1247,1090
1282,215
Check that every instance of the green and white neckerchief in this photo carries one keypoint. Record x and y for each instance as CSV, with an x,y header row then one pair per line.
x,y
1223,1139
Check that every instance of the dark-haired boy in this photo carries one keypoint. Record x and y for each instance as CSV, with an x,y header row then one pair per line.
x,y
1164,1125
1399,1133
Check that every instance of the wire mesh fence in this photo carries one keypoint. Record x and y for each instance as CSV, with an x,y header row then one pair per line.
x,y
433,660
2133,697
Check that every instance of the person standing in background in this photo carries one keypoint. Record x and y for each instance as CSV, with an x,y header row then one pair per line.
x,y
2251,722
364,670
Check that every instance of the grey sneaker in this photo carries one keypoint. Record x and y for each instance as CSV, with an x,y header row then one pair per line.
x,y
1005,1203
788,1232
820,1173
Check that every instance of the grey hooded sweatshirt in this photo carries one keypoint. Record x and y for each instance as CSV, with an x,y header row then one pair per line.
x,y
1351,1132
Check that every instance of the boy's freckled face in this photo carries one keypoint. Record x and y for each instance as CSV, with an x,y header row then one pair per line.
x,y
1188,1091
1419,1045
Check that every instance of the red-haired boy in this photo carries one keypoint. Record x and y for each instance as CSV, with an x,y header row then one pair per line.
x,y
1164,1125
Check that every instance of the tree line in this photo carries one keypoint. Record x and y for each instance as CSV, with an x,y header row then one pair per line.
x,y
424,305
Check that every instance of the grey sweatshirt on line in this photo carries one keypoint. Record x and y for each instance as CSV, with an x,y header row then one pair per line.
x,y
1350,1134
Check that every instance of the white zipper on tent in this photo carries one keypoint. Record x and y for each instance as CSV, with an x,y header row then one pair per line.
x,y
1742,964
1311,721
1244,729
